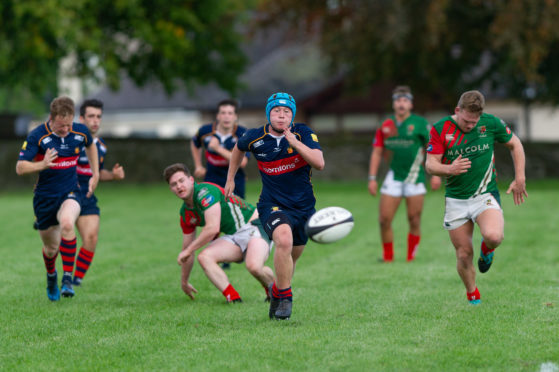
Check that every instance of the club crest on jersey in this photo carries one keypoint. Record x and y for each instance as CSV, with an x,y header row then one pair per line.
x,y
482,131
207,201
289,150
77,150
410,129
202,192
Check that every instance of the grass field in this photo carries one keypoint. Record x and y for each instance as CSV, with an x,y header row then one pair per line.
x,y
351,312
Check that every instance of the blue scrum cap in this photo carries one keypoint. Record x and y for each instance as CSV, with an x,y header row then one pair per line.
x,y
281,99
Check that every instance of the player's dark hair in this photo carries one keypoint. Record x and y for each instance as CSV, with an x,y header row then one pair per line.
x,y
402,91
472,101
228,102
90,103
62,106
174,168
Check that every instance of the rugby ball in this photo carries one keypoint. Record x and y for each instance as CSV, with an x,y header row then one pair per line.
x,y
329,225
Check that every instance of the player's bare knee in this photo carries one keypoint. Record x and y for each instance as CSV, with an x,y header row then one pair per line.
x,y
91,241
414,220
253,268
493,239
385,222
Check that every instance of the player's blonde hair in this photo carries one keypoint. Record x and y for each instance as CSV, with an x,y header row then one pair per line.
x,y
472,101
62,106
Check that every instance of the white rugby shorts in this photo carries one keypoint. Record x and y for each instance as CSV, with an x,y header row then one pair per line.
x,y
459,211
243,236
400,189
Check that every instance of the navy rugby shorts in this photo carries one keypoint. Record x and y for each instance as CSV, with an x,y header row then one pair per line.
x,y
46,208
272,216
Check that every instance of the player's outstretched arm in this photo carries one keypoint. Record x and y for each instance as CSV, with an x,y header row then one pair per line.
x,y
234,164
212,216
374,163
187,267
199,170
26,167
116,174
518,185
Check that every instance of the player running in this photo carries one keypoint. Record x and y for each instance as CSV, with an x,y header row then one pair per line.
x,y
206,205
406,136
286,153
461,148
91,112
52,149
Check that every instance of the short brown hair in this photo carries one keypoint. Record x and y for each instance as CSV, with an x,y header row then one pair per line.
x,y
472,101
62,106
174,168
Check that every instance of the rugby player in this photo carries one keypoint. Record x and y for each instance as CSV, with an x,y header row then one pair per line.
x,y
205,205
406,136
52,149
461,149
91,113
286,153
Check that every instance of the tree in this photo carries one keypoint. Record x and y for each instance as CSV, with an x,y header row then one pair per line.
x,y
172,41
439,47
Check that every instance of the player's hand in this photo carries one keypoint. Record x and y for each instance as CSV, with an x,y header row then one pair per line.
x,y
435,182
118,172
50,157
460,165
229,188
214,144
290,137
92,186
518,189
373,185
183,256
188,289
199,172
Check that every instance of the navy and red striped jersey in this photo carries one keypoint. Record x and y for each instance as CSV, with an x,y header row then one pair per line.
x,y
62,177
216,165
286,176
83,168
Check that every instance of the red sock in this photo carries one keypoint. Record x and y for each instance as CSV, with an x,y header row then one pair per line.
x,y
275,291
286,293
473,295
413,243
83,262
485,250
68,253
50,262
388,251
230,293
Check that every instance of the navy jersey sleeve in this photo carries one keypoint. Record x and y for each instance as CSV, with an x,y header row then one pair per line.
x,y
196,139
307,136
30,147
241,132
81,129
246,140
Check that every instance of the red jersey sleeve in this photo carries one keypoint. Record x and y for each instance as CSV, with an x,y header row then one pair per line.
x,y
379,138
436,145
187,228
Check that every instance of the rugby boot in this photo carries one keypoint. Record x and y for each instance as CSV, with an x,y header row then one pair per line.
x,y
67,290
283,311
53,293
274,303
484,262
